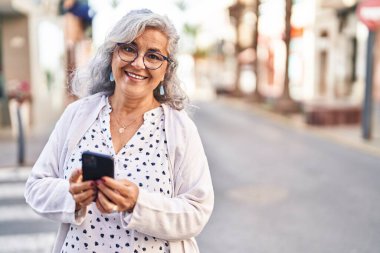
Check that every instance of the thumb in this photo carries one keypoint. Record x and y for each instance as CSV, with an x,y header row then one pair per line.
x,y
76,176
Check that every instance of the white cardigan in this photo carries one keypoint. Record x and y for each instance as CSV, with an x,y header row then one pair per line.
x,y
178,219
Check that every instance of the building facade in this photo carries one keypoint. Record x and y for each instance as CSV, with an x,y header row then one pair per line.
x,y
327,62
31,61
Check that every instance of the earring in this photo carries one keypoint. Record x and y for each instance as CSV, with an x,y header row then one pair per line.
x,y
112,78
162,91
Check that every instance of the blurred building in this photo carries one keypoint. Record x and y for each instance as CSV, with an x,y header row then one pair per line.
x,y
327,60
341,50
31,60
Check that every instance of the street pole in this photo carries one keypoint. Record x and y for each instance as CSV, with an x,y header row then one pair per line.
x,y
20,137
367,105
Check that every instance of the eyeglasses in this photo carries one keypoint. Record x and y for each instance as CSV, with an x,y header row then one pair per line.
x,y
152,60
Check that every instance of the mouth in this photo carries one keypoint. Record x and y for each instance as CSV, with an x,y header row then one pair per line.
x,y
135,76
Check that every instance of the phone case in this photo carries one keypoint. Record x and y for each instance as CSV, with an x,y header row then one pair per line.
x,y
96,166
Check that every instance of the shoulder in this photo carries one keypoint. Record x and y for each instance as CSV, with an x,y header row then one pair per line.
x,y
181,128
84,103
179,118
82,106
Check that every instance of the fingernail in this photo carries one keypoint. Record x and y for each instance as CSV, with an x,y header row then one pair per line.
x,y
98,182
103,180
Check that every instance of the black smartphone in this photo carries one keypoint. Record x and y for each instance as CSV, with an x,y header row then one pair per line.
x,y
96,166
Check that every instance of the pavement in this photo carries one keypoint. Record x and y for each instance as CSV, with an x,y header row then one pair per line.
x,y
35,140
349,135
282,187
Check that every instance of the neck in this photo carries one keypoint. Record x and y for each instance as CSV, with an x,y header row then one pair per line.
x,y
126,106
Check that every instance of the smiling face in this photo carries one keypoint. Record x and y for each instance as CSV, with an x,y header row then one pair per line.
x,y
133,79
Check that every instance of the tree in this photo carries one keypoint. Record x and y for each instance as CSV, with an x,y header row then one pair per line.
x,y
288,9
236,12
256,96
285,103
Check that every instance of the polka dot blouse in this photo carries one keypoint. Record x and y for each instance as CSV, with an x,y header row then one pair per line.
x,y
144,161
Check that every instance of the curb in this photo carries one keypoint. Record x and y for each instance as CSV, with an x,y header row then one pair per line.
x,y
370,147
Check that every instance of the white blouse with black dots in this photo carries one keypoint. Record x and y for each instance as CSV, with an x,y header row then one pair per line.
x,y
144,161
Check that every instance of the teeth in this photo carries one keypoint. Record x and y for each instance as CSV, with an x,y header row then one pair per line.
x,y
135,76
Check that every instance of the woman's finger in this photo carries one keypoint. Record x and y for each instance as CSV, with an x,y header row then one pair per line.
x,y
89,200
75,176
106,205
124,187
79,187
99,206
82,196
123,194
113,183
111,194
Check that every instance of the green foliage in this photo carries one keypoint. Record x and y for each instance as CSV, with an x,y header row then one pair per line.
x,y
191,30
181,5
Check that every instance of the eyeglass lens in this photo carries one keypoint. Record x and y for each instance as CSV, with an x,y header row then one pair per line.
x,y
129,53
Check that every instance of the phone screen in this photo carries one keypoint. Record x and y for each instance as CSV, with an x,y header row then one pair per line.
x,y
96,166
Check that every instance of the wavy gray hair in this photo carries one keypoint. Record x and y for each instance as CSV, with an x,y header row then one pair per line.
x,y
95,76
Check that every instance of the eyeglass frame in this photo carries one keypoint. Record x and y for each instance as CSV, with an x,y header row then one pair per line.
x,y
166,58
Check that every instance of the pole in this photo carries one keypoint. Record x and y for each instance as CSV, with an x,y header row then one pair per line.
x,y
367,105
288,13
20,138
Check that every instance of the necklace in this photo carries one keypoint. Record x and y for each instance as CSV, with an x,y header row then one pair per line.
x,y
123,127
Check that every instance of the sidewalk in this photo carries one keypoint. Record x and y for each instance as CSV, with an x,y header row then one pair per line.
x,y
348,135
34,143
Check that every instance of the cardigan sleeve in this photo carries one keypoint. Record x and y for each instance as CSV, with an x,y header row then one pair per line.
x,y
184,215
45,191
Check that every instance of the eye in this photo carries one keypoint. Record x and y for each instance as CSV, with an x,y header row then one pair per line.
x,y
129,48
154,56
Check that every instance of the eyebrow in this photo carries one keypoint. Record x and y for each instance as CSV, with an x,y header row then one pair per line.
x,y
149,50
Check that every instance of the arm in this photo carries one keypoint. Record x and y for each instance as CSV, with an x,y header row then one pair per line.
x,y
184,215
45,191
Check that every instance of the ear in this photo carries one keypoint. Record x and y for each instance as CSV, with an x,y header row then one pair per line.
x,y
164,77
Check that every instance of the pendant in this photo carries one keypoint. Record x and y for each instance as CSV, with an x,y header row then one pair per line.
x,y
121,130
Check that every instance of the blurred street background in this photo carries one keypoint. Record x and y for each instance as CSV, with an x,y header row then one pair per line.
x,y
286,98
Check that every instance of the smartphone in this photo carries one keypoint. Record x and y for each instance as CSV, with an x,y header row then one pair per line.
x,y
96,166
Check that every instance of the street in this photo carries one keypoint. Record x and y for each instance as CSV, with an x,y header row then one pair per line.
x,y
277,189
281,189
21,230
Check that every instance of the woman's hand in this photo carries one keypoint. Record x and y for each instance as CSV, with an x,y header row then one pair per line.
x,y
116,195
83,192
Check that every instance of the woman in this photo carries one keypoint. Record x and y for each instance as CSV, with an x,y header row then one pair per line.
x,y
161,196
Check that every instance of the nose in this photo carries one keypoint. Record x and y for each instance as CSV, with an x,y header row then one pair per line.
x,y
139,62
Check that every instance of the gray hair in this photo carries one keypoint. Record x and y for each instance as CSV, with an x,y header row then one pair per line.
x,y
95,76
